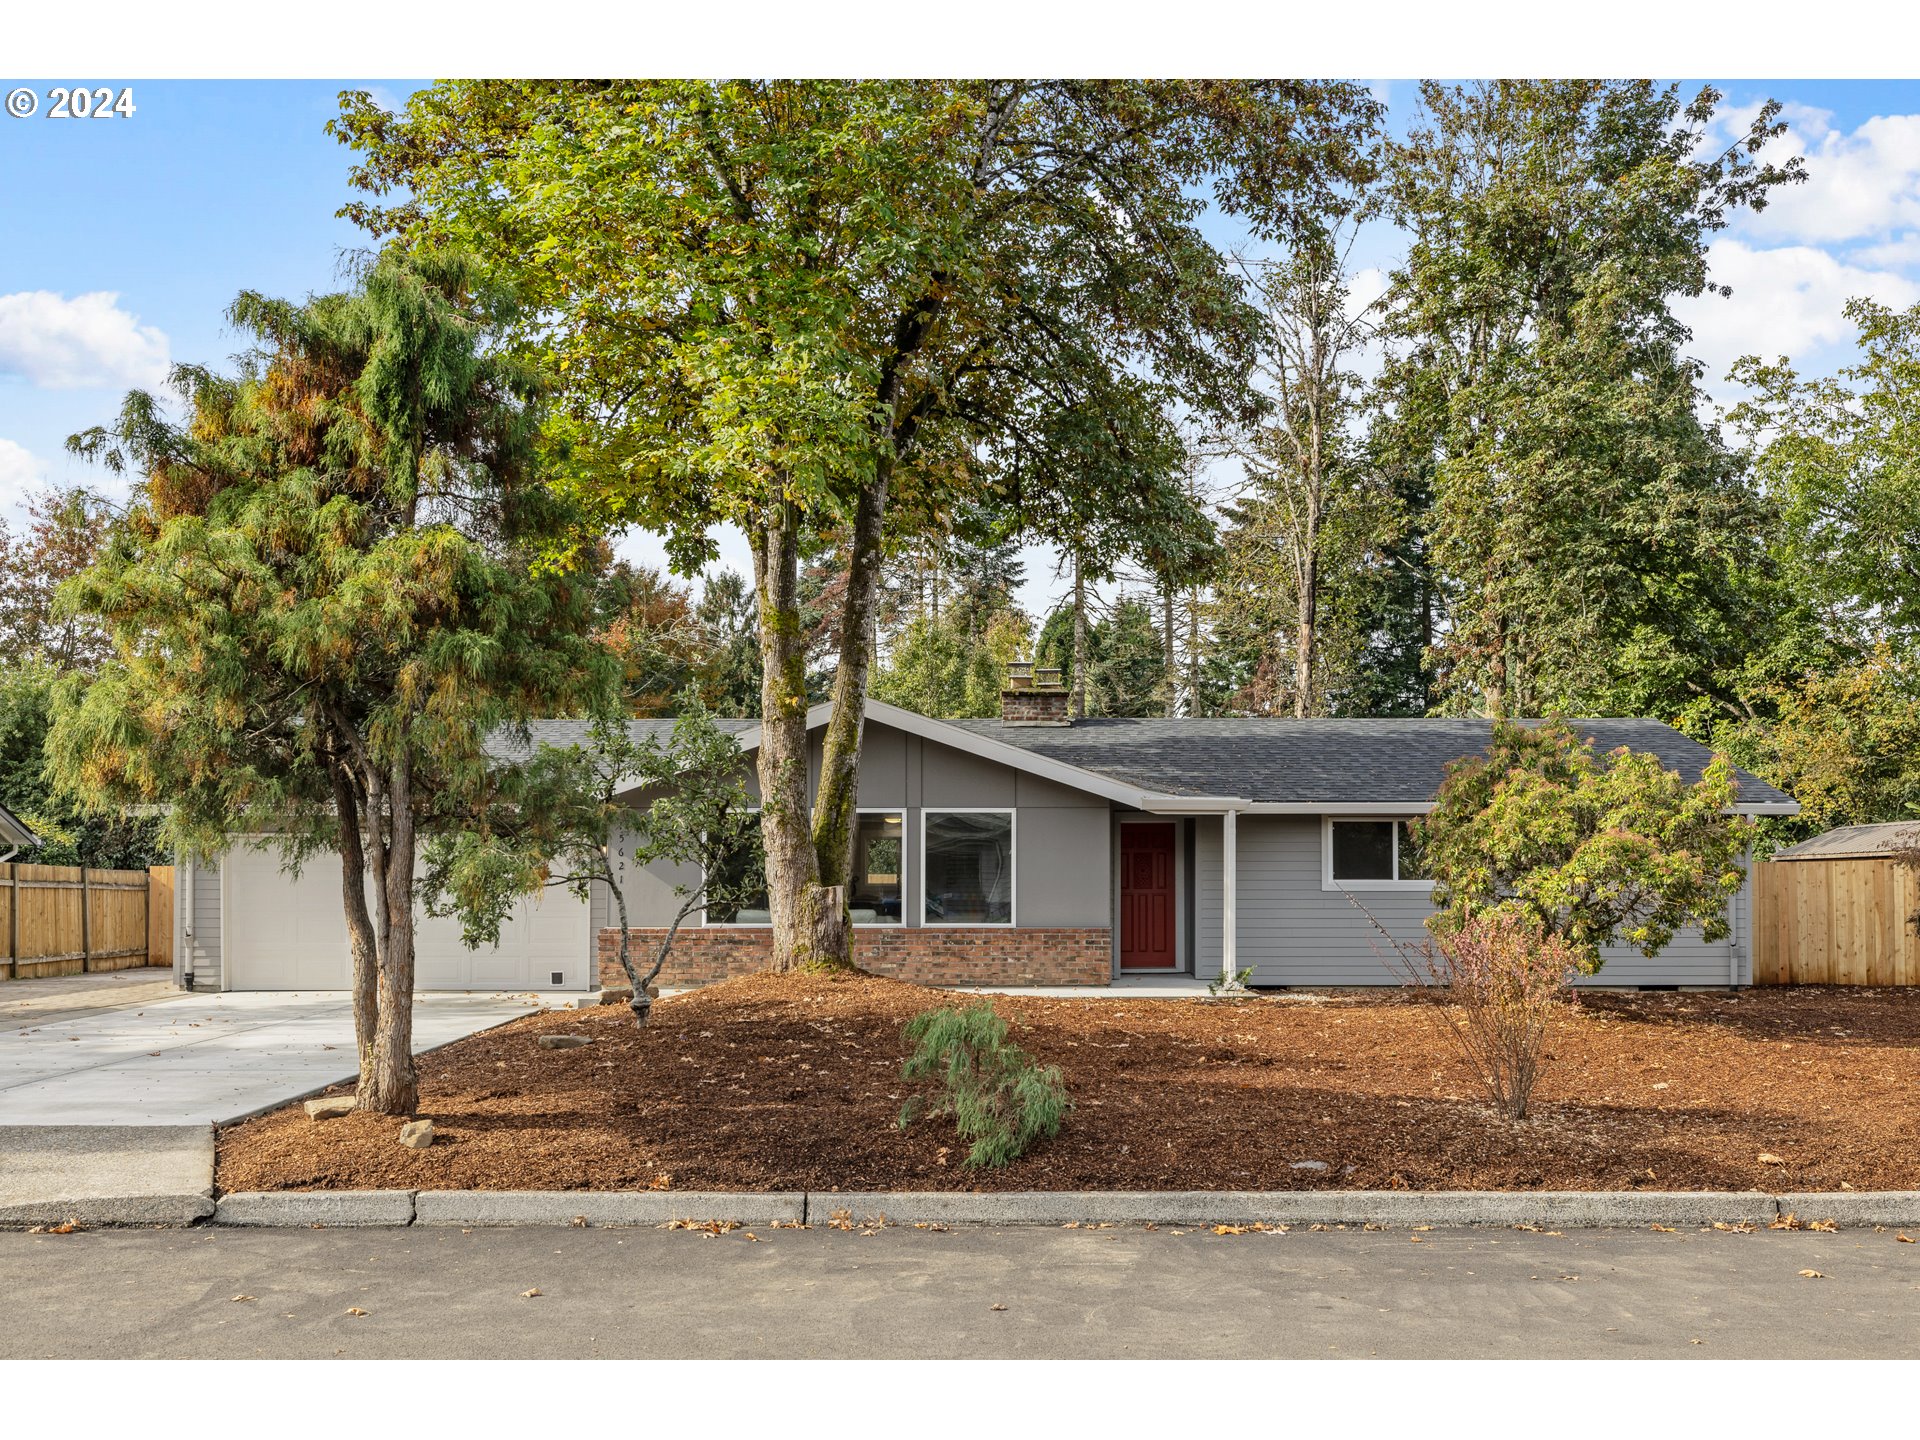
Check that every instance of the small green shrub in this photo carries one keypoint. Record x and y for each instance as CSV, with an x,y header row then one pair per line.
x,y
999,1099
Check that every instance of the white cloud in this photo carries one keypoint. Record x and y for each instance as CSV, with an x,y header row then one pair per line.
x,y
88,341
1861,185
1786,301
20,472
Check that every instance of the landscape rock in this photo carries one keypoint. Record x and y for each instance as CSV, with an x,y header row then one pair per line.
x,y
562,1042
329,1106
417,1134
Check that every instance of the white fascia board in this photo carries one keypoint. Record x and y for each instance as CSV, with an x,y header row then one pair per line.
x,y
1338,807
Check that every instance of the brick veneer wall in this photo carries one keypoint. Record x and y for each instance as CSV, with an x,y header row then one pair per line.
x,y
956,955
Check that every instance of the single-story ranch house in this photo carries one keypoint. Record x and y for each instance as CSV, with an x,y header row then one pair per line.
x,y
1025,850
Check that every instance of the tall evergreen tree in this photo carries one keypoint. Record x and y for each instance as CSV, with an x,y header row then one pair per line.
x,y
326,598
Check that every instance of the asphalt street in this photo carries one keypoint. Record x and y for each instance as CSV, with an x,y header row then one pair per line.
x,y
961,1292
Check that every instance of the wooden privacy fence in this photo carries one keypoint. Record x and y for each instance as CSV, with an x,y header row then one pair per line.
x,y
67,920
1835,922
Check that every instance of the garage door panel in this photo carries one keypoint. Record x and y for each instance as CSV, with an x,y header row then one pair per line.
x,y
288,933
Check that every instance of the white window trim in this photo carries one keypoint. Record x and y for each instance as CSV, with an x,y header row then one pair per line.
x,y
1404,887
1013,880
707,924
901,923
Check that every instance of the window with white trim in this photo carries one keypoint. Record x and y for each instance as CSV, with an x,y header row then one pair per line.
x,y
967,867
743,875
1376,854
879,868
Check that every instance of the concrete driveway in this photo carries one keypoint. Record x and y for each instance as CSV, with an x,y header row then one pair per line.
x,y
206,1059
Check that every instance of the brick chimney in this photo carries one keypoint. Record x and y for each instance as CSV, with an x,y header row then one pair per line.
x,y
1034,697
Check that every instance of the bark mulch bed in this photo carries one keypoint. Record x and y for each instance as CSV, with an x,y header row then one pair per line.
x,y
790,1082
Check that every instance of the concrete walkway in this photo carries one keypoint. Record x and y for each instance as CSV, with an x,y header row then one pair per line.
x,y
207,1059
1124,987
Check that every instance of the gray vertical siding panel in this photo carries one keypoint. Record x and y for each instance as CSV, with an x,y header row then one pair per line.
x,y
205,951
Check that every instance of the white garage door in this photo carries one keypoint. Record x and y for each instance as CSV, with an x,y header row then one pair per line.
x,y
283,933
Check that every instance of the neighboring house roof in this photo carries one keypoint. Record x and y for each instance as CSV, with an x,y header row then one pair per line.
x,y
14,832
1855,842
1276,766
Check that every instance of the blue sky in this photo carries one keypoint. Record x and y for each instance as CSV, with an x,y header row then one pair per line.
x,y
127,238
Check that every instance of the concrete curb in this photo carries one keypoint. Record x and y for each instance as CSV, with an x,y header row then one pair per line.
x,y
95,1211
618,1207
1301,1207
1854,1207
1573,1209
334,1209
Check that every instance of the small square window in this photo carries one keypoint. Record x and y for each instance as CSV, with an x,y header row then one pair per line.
x,y
1363,849
969,867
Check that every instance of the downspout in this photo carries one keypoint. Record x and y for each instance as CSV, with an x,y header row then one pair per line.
x,y
183,902
1229,897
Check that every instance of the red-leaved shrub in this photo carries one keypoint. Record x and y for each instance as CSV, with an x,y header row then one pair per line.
x,y
1498,981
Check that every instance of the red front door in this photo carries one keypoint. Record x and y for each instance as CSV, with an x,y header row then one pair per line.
x,y
1146,897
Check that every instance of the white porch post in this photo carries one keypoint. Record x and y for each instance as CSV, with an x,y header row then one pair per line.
x,y
1230,901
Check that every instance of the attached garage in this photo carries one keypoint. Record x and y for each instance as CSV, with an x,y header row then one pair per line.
x,y
282,932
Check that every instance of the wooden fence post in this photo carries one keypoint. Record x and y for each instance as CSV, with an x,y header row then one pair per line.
x,y
13,922
86,924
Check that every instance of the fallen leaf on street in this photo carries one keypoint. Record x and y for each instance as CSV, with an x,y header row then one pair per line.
x,y
529,1294
1812,1275
1904,1239
999,1307
238,1298
1663,1229
355,1310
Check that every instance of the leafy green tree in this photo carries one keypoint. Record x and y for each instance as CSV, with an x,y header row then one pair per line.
x,y
941,666
848,307
1594,851
1840,457
65,528
111,839
728,678
1585,524
326,598
562,819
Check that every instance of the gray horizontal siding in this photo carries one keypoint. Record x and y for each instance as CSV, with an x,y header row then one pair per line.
x,y
1292,932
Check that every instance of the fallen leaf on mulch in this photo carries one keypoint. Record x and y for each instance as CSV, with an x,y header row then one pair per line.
x,y
1812,1275
1767,1157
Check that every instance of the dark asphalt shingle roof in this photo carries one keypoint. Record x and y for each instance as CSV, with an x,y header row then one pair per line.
x,y
1305,762
510,745
1318,761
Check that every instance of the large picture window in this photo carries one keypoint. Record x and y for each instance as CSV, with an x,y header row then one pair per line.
x,y
1373,854
968,867
737,891
879,858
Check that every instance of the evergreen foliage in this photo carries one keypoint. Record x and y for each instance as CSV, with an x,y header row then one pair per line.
x,y
329,592
1000,1100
